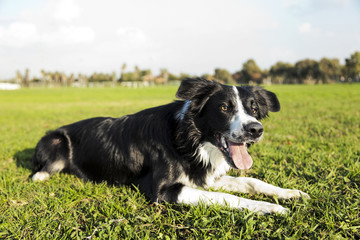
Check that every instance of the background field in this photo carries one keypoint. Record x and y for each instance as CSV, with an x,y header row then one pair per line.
x,y
312,144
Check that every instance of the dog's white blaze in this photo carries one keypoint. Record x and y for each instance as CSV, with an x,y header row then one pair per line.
x,y
40,176
241,117
180,115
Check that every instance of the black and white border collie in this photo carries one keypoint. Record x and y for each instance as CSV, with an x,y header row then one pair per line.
x,y
172,152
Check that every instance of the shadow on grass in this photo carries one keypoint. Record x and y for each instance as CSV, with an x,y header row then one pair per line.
x,y
23,158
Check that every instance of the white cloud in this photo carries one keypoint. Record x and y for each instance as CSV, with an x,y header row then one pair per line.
x,y
132,34
305,28
18,34
321,4
22,34
66,10
295,3
69,35
306,7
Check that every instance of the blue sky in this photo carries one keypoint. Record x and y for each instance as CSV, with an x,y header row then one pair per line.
x,y
191,36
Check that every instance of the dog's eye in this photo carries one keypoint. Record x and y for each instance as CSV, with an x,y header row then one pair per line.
x,y
224,108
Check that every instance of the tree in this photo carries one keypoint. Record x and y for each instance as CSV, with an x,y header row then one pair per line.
x,y
123,67
56,77
208,76
147,76
329,70
19,77
165,75
184,75
127,77
26,78
137,74
113,79
352,67
307,70
282,73
173,77
83,80
43,76
70,80
250,72
223,76
101,77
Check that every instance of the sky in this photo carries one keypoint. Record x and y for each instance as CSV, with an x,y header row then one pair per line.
x,y
187,36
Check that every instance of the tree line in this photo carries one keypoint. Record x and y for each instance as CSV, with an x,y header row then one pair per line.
x,y
306,71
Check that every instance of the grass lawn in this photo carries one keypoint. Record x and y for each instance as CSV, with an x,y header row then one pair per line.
x,y
312,144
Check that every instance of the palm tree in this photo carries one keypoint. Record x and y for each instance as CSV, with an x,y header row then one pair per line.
x,y
26,78
122,71
114,80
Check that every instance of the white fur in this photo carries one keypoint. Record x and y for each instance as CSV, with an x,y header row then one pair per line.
x,y
184,179
240,118
255,186
218,171
40,176
180,115
194,196
210,154
57,166
191,195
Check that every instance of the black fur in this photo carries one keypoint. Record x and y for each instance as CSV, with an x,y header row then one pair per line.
x,y
265,99
152,148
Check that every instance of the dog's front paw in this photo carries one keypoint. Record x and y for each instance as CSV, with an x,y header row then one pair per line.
x,y
40,176
265,207
293,193
271,209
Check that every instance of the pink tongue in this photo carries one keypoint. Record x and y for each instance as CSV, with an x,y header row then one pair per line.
x,y
240,156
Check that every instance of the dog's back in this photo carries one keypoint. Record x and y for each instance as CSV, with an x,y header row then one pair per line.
x,y
115,150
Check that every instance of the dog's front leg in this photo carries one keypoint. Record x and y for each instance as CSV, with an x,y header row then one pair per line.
x,y
194,196
255,186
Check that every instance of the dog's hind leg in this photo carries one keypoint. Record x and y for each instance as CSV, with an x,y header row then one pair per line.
x,y
52,155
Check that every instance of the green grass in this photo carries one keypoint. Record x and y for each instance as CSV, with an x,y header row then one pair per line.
x,y
312,144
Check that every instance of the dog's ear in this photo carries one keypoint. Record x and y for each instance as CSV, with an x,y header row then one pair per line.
x,y
266,100
197,90
191,88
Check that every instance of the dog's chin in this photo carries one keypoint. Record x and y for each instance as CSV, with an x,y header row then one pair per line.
x,y
235,151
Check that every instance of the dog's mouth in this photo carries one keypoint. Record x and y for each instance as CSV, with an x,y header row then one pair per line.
x,y
236,152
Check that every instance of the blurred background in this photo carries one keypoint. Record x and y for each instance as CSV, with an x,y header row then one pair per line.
x,y
139,42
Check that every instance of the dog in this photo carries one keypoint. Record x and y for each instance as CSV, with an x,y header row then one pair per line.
x,y
172,153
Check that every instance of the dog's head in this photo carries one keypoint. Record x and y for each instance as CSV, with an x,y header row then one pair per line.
x,y
227,117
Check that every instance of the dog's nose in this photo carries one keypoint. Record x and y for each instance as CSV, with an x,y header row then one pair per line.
x,y
254,129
